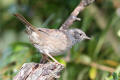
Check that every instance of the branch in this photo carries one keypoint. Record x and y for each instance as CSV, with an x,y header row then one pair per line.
x,y
73,15
99,66
35,71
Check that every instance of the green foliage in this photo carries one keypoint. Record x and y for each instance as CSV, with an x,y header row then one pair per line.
x,y
100,21
114,76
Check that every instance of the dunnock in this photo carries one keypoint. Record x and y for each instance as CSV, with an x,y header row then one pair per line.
x,y
52,42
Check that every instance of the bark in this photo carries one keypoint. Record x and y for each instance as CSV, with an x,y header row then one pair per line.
x,y
36,71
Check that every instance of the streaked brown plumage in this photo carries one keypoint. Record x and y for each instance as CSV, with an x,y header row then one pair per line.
x,y
52,42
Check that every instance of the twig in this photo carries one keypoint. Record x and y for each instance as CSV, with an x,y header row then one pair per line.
x,y
73,15
99,66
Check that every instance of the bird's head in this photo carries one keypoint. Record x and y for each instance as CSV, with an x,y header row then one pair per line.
x,y
78,34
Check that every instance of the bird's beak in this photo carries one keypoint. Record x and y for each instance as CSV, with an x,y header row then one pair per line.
x,y
87,37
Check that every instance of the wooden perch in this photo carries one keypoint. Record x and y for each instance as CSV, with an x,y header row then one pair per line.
x,y
51,70
35,71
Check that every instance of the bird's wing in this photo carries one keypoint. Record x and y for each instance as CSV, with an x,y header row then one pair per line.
x,y
55,39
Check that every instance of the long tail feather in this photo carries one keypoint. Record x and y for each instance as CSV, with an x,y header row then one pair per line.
x,y
24,21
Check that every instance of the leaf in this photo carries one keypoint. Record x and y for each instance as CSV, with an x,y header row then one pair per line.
x,y
92,73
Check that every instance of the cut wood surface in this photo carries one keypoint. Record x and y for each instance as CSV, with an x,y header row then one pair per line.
x,y
36,71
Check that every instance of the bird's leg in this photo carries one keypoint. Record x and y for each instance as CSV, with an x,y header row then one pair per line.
x,y
67,58
52,58
44,59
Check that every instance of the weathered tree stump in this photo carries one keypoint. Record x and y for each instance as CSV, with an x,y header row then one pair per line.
x,y
36,71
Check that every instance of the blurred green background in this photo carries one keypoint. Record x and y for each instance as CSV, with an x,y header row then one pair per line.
x,y
94,59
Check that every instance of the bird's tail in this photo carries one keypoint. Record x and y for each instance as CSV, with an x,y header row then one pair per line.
x,y
24,21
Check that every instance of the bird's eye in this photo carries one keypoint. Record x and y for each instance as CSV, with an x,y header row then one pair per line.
x,y
80,34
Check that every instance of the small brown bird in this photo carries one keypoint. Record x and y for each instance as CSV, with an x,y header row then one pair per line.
x,y
52,42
